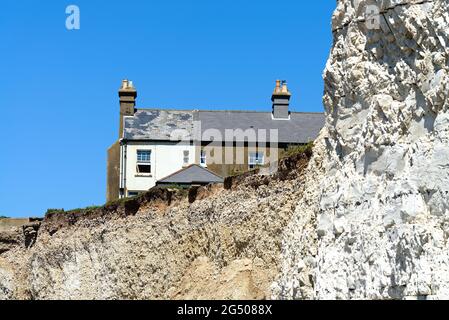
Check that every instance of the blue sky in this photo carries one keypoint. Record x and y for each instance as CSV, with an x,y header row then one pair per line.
x,y
58,88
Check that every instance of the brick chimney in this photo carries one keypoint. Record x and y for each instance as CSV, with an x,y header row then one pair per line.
x,y
127,95
281,101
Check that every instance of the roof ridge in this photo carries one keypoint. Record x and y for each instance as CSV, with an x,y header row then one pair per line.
x,y
164,109
235,111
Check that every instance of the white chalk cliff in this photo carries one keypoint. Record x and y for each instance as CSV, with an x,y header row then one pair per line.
x,y
366,217
373,221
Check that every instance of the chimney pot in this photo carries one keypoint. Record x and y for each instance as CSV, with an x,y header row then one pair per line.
x,y
278,86
284,87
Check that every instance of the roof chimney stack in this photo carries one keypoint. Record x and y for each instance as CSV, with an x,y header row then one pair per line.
x,y
281,101
127,95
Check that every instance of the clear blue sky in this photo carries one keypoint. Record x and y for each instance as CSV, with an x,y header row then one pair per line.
x,y
58,88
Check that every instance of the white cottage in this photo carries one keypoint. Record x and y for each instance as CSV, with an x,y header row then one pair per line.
x,y
155,143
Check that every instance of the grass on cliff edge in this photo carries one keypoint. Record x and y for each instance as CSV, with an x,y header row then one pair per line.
x,y
117,202
49,211
295,150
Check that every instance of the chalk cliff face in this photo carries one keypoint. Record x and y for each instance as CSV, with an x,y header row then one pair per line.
x,y
220,242
374,220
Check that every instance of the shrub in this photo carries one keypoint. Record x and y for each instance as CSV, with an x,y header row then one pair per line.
x,y
52,211
295,150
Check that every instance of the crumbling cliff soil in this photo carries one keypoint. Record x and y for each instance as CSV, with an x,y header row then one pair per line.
x,y
217,242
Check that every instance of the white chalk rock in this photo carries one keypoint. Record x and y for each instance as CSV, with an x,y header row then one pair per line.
x,y
375,211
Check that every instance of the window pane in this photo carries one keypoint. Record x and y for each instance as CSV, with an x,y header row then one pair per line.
x,y
252,158
143,155
256,158
203,157
143,168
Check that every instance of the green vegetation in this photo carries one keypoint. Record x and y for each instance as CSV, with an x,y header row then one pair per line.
x,y
119,202
236,172
4,217
174,187
91,208
295,150
61,211
52,211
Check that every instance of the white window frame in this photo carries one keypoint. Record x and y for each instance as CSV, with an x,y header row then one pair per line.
x,y
141,162
144,161
256,159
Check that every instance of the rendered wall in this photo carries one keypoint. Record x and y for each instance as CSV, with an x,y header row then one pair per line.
x,y
166,158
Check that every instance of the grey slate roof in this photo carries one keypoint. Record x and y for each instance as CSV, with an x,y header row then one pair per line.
x,y
190,175
301,128
158,124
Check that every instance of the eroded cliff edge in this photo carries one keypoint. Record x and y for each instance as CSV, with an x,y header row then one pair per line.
x,y
368,218
374,222
219,242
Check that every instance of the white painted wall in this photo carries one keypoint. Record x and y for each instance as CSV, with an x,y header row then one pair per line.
x,y
166,158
